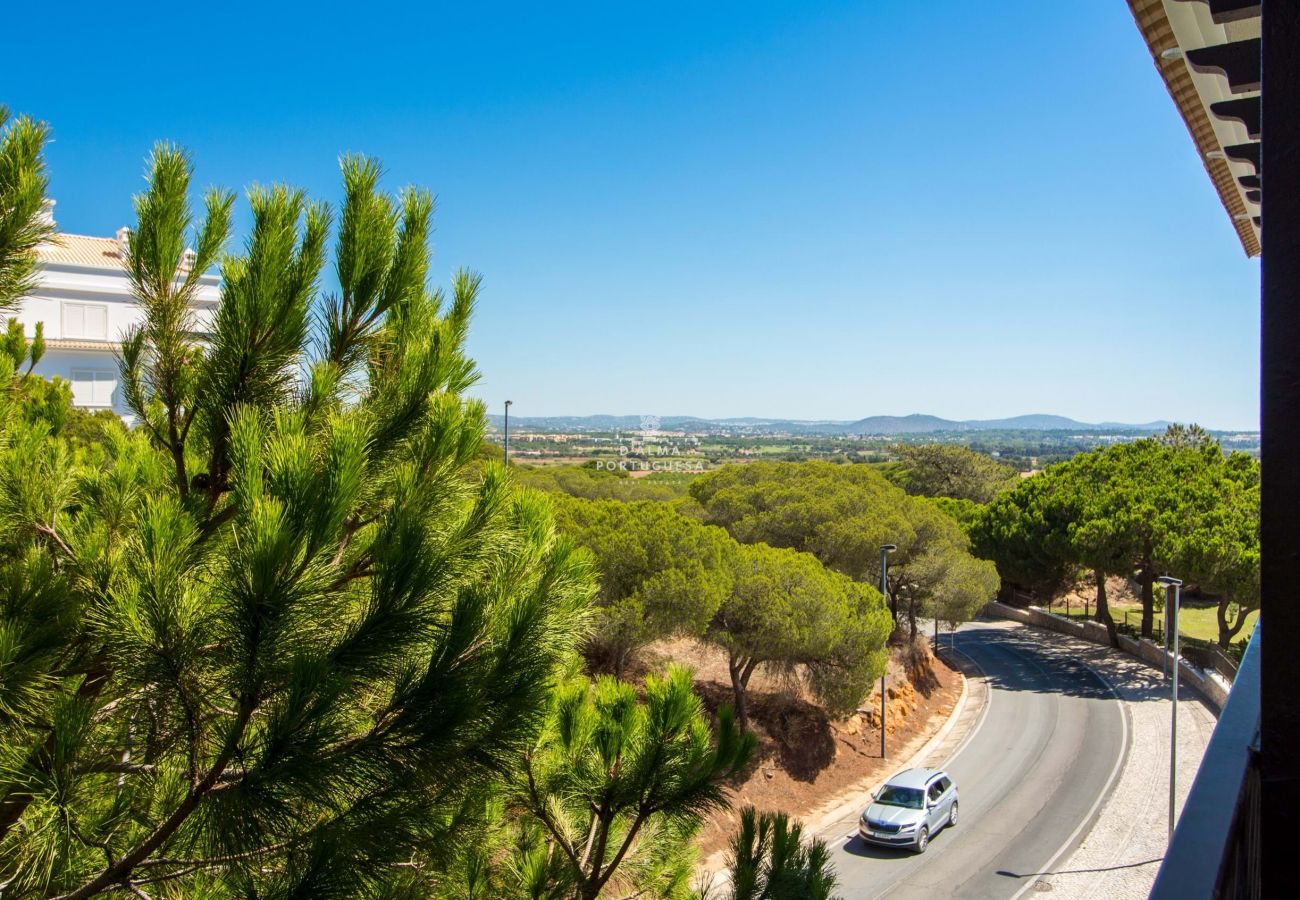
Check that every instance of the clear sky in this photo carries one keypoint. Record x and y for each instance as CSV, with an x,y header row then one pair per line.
x,y
805,210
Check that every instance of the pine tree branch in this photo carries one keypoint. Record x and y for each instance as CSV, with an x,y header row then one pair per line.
x,y
343,547
14,803
187,420
149,426
113,767
215,521
354,524
177,448
539,809
644,811
170,876
109,708
591,837
360,568
642,816
49,532
214,860
122,869
100,845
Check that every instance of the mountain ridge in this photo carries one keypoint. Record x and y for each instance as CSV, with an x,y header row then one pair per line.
x,y
916,423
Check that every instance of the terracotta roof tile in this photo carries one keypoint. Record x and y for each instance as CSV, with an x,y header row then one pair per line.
x,y
81,250
79,344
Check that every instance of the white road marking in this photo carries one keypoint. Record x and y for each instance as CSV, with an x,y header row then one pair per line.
x,y
988,702
1102,797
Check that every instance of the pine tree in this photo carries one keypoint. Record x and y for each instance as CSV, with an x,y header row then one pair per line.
x,y
770,860
286,636
616,788
23,184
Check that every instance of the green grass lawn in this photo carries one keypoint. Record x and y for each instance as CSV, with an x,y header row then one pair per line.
x,y
1195,620
1202,622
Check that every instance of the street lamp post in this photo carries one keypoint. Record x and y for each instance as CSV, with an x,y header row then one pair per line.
x,y
507,432
885,550
1164,660
1171,626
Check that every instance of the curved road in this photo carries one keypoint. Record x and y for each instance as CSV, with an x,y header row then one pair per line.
x,y
1031,778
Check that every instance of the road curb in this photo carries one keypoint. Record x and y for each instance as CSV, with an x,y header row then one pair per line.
x,y
829,820
712,870
976,671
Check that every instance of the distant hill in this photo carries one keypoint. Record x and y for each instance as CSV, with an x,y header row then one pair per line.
x,y
919,424
872,425
913,424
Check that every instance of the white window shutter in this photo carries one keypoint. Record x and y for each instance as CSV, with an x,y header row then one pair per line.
x,y
85,320
83,387
74,320
93,388
97,322
105,385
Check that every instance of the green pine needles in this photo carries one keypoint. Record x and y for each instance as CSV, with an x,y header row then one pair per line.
x,y
618,786
772,860
289,635
23,183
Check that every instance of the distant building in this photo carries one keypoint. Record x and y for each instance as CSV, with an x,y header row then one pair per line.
x,y
84,300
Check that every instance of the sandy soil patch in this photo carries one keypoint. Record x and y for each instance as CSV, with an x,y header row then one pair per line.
x,y
804,759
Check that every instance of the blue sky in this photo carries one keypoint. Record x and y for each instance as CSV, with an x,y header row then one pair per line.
x,y
817,210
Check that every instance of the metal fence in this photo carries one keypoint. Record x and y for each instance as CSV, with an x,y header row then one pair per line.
x,y
1205,655
1215,852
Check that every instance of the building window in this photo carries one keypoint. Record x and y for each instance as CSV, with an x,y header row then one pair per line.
x,y
85,320
93,388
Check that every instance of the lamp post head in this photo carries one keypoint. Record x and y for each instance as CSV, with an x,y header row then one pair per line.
x,y
1169,579
888,548
509,403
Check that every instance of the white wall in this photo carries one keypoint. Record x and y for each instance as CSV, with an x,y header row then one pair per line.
x,y
102,287
107,288
63,363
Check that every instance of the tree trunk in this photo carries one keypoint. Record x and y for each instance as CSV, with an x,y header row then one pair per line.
x,y
1228,631
739,683
911,616
592,881
1103,609
1147,578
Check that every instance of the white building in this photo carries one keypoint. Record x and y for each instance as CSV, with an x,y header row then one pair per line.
x,y
84,300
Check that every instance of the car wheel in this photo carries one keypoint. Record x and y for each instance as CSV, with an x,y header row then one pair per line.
x,y
923,840
952,814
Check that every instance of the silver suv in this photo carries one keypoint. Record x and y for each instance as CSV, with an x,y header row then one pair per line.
x,y
910,809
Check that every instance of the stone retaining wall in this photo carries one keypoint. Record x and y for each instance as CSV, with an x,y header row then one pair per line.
x,y
1095,632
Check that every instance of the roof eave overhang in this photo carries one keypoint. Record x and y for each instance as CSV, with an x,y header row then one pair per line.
x,y
1173,29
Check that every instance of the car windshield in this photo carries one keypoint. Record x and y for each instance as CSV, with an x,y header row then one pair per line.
x,y
911,798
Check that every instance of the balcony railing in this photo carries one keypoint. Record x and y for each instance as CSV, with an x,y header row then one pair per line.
x,y
1215,852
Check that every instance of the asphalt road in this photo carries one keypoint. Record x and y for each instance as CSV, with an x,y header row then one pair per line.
x,y
1031,778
